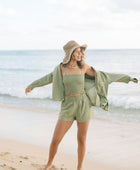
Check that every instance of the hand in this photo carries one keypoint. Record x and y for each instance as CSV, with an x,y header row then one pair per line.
x,y
135,80
27,91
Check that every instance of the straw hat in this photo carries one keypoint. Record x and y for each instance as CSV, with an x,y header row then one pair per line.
x,y
69,48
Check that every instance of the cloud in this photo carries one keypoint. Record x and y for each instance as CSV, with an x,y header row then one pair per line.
x,y
128,4
7,12
72,5
90,15
63,19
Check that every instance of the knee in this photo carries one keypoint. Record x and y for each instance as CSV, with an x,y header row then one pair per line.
x,y
55,141
81,140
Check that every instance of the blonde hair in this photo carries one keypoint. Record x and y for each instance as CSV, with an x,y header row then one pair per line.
x,y
80,63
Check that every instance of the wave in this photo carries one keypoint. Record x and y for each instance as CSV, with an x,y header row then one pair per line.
x,y
19,97
115,103
126,102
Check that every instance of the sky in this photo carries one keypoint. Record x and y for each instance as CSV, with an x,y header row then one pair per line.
x,y
50,24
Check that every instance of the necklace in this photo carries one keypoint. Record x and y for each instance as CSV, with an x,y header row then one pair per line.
x,y
73,66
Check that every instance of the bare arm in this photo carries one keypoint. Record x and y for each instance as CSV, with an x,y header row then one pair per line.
x,y
47,79
89,70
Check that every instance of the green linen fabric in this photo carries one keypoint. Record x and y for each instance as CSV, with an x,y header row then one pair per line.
x,y
96,87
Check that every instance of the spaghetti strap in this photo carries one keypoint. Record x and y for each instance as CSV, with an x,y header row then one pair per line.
x,y
65,71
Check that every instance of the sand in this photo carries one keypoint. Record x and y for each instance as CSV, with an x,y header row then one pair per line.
x,y
22,156
111,145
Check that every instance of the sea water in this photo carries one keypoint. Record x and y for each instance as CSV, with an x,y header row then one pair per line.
x,y
19,68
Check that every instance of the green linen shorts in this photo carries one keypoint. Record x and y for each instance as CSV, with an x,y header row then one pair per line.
x,y
76,108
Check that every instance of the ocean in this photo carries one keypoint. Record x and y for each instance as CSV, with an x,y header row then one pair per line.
x,y
19,68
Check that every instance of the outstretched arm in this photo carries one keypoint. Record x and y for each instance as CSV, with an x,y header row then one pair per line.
x,y
47,79
114,77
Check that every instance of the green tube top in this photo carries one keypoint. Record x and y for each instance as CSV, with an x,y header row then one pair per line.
x,y
73,83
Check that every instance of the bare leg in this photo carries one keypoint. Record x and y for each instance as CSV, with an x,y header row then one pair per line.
x,y
81,137
60,130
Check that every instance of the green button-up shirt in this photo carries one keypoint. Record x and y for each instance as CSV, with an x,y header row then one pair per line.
x,y
96,87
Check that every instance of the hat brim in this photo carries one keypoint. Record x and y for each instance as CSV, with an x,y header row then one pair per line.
x,y
67,57
84,46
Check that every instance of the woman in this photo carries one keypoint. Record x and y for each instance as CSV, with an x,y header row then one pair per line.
x,y
76,105
73,69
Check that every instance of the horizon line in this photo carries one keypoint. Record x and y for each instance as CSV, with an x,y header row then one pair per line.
x,y
62,49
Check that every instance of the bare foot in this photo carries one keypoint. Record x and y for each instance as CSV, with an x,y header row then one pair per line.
x,y
47,167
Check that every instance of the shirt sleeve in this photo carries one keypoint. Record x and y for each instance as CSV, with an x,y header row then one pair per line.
x,y
114,77
47,79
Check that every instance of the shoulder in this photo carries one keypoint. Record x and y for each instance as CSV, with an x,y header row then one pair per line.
x,y
89,70
61,66
58,66
57,69
86,66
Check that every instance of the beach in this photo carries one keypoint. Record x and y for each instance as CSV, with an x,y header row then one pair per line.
x,y
27,122
111,144
98,41
21,156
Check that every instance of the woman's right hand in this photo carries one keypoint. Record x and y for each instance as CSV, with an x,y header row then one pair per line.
x,y
27,91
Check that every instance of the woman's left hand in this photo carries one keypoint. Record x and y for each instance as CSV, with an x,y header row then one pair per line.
x,y
135,80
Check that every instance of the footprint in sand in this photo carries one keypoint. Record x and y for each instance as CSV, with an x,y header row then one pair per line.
x,y
41,167
38,166
4,153
4,166
23,157
11,168
54,168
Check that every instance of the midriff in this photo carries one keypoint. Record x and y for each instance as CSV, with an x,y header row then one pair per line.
x,y
72,95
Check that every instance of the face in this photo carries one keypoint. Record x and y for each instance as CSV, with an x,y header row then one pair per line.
x,y
77,54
